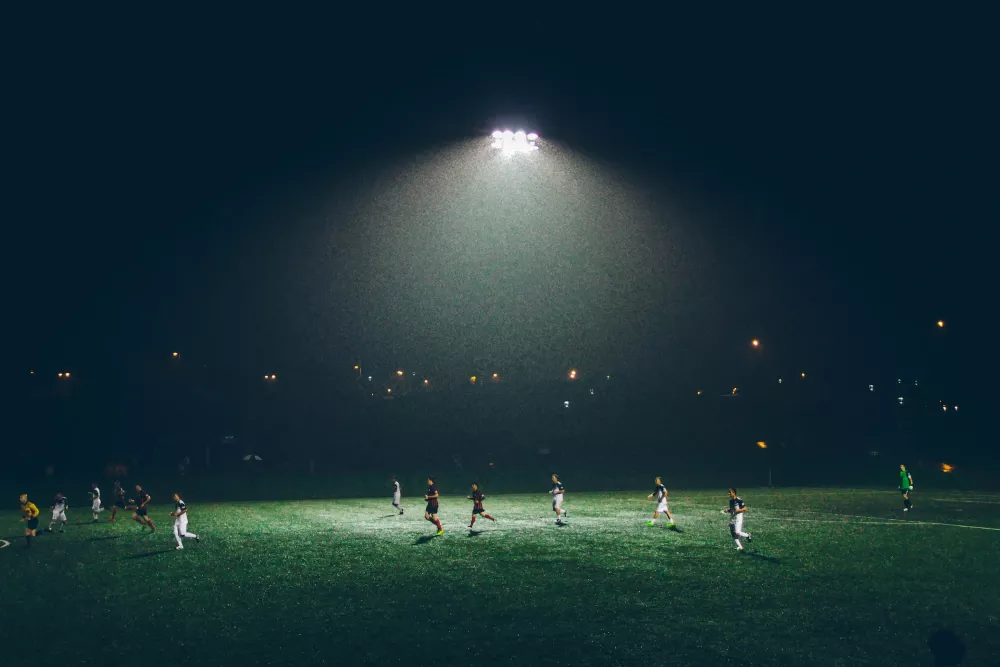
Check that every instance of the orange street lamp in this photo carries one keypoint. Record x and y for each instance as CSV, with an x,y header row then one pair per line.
x,y
399,373
426,382
572,374
175,354
940,324
762,444
755,343
472,379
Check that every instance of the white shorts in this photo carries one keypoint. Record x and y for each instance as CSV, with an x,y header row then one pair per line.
x,y
736,523
395,500
662,507
181,523
557,501
59,516
96,505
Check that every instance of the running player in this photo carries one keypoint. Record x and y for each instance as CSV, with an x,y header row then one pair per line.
x,y
180,515
905,486
397,494
141,513
557,499
119,500
95,501
737,508
477,499
431,511
29,514
660,493
59,513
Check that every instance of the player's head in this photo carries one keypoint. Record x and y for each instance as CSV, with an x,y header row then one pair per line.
x,y
59,494
138,487
394,478
555,477
94,485
475,487
177,497
430,481
902,467
659,480
118,484
732,492
23,498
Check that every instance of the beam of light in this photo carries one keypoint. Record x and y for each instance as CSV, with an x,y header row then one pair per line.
x,y
508,142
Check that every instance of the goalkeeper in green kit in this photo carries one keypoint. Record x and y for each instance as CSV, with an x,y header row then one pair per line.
x,y
905,486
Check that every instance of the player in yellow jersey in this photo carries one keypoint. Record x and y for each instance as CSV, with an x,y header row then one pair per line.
x,y
29,514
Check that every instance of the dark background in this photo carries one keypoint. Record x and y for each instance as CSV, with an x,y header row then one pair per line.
x,y
192,183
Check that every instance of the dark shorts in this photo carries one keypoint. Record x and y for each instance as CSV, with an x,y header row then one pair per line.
x,y
431,509
141,511
120,503
904,491
478,510
32,523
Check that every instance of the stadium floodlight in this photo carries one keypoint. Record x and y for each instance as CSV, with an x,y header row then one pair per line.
x,y
508,141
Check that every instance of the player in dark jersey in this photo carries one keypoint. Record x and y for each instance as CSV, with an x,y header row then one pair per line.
x,y
477,499
431,511
660,494
120,503
737,508
141,513
558,492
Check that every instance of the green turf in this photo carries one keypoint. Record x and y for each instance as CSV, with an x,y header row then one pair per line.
x,y
832,577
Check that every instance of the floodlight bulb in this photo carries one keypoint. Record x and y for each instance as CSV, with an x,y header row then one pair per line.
x,y
520,135
532,136
507,134
497,134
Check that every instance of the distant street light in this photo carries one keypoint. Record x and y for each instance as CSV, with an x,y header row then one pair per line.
x,y
399,373
803,376
472,379
496,377
572,374
426,382
175,355
755,343
940,324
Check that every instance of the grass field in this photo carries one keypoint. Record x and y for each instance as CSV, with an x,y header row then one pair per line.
x,y
832,577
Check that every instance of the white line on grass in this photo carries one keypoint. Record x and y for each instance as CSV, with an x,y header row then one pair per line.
x,y
4,543
883,522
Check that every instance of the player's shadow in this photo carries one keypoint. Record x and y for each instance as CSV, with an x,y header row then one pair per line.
x,y
101,539
388,516
763,557
424,539
475,533
147,554
675,529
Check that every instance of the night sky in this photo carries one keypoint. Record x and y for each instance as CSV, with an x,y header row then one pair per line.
x,y
287,192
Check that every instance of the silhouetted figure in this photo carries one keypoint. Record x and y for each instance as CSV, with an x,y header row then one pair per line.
x,y
947,647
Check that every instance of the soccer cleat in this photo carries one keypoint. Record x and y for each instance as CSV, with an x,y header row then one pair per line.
x,y
197,539
906,509
650,523
180,548
440,532
749,539
671,525
739,548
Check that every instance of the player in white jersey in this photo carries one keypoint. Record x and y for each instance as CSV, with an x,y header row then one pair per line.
x,y
181,522
59,512
95,501
558,492
737,508
397,494
660,493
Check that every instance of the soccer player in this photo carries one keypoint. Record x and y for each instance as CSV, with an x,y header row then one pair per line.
x,y
737,508
95,501
141,513
557,499
905,486
119,501
477,499
59,512
431,511
660,493
396,495
180,515
29,514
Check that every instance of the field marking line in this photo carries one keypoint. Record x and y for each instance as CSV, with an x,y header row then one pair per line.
x,y
4,544
954,500
883,522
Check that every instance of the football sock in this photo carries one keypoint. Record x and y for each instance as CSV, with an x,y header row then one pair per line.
x,y
437,522
489,517
473,522
50,526
738,545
